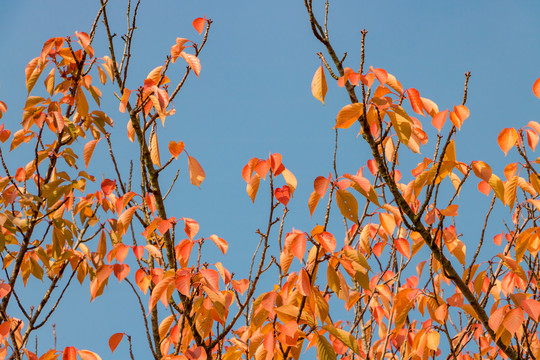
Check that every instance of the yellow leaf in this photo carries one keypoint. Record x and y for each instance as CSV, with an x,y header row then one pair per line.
x,y
290,179
510,191
325,351
348,115
347,204
318,85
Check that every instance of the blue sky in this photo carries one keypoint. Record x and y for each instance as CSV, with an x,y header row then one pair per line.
x,y
253,97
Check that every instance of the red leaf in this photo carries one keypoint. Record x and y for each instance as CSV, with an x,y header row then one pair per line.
x,y
416,102
199,24
70,353
107,186
121,271
115,340
138,251
283,194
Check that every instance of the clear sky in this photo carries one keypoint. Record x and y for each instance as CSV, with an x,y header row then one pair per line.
x,y
253,97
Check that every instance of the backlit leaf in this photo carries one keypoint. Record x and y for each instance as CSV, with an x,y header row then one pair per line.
x,y
318,85
193,62
88,355
325,351
507,139
348,115
124,100
290,179
199,24
304,285
415,100
176,148
220,243
159,290
196,172
114,340
347,204
536,88
89,150
154,150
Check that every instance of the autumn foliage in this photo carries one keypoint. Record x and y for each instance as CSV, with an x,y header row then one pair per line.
x,y
399,282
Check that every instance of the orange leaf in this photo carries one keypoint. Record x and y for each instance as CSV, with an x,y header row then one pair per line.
x,y
513,320
321,185
451,210
290,179
313,201
402,245
158,291
176,148
532,138
154,150
70,353
196,172
304,285
296,242
536,88
318,85
348,115
191,227
220,243
115,340
507,139
89,150
125,219
124,100
193,62
439,119
416,101
130,131
253,186
199,24
88,355
482,170
532,307
240,285
4,290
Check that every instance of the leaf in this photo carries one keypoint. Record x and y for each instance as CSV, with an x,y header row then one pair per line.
x,y
536,88
313,201
199,24
124,100
532,138
240,285
154,150
125,219
4,290
303,283
130,131
88,355
89,150
108,186
165,325
196,172
347,204
114,340
325,351
290,179
220,243
158,291
318,85
481,170
70,353
507,139
345,337
283,194
49,82
416,101
439,119
253,186
510,191
176,148
193,62
348,115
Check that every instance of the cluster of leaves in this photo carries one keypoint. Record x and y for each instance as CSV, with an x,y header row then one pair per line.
x,y
372,297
